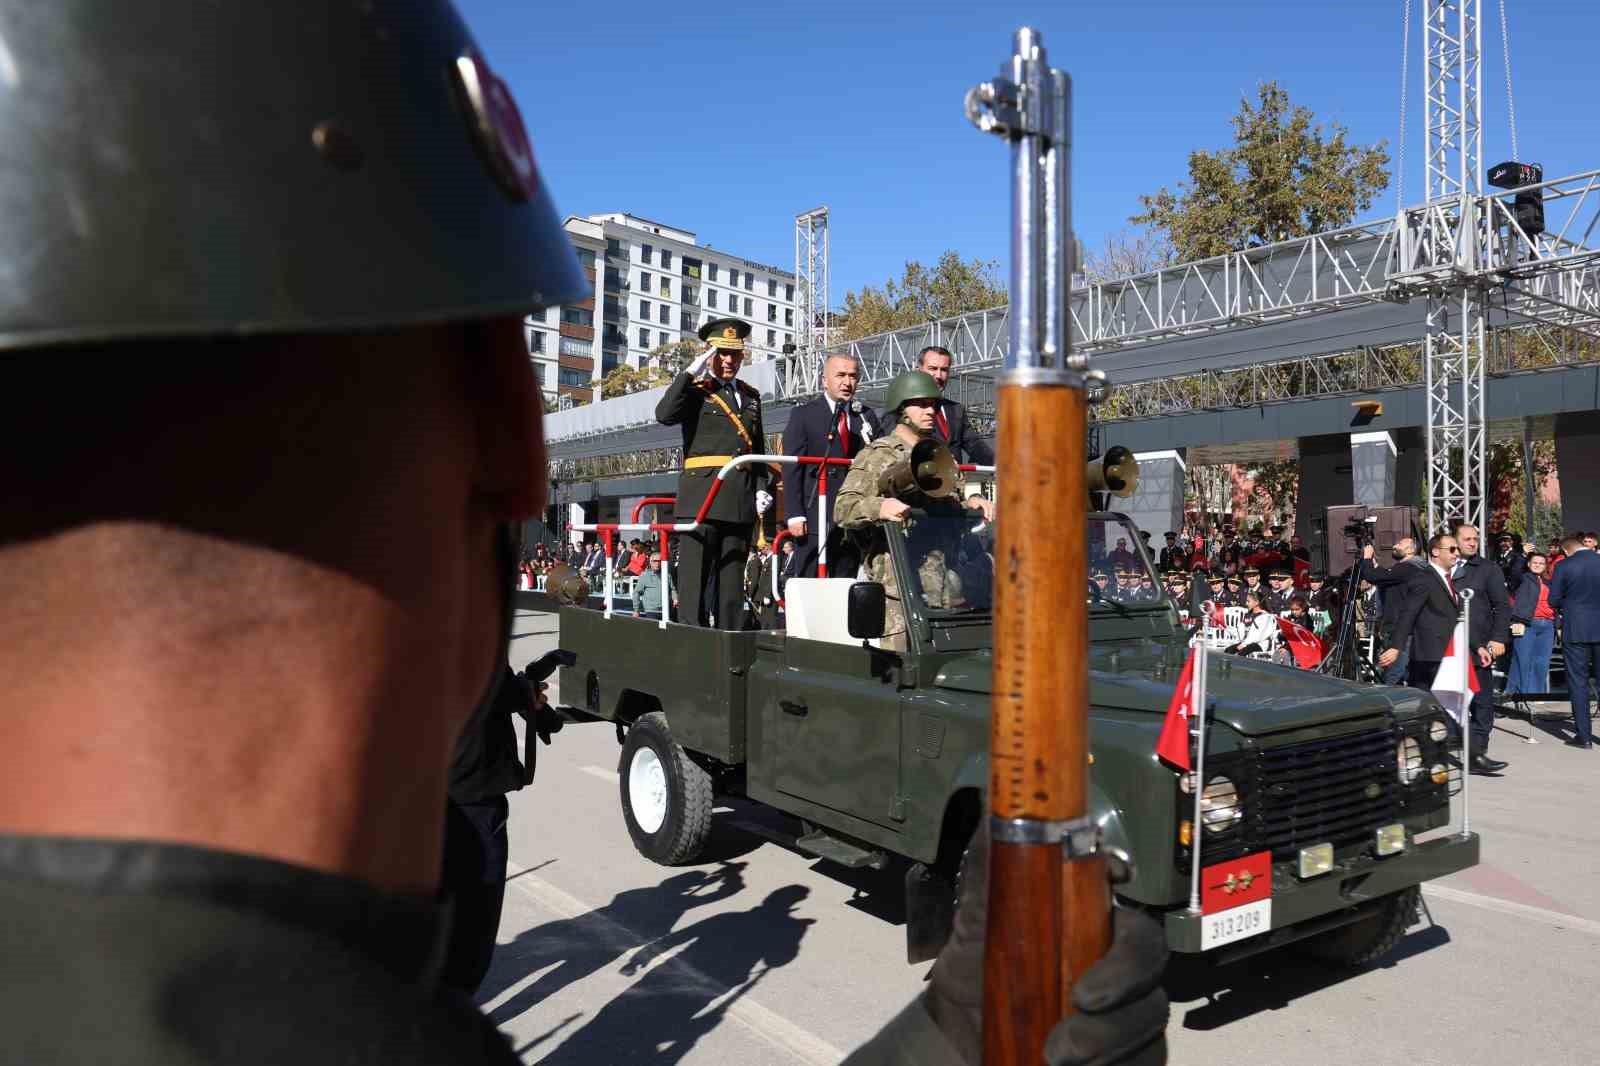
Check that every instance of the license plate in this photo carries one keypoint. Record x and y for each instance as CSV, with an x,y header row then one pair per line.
x,y
1235,923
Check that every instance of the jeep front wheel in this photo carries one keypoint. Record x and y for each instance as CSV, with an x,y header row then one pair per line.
x,y
666,798
1372,937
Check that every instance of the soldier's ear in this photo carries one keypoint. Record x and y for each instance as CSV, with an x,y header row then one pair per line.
x,y
511,469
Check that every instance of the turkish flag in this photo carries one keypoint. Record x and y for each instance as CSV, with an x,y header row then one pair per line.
x,y
1172,746
1456,682
1304,645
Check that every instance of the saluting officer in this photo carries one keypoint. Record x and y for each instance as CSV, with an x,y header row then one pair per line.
x,y
721,418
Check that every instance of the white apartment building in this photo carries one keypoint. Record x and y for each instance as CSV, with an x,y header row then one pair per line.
x,y
654,284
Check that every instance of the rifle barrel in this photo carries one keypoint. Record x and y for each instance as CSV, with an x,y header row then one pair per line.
x,y
1048,915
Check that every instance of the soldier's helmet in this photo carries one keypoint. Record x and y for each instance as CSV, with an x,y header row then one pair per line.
x,y
191,168
911,385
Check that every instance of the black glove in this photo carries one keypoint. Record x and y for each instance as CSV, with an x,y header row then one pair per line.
x,y
545,665
1122,1008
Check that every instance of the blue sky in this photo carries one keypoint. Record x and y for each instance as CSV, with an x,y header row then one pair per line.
x,y
729,119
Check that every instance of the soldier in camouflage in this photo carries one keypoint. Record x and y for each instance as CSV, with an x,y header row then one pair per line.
x,y
912,402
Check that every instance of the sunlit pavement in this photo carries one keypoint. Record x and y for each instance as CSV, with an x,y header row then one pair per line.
x,y
759,954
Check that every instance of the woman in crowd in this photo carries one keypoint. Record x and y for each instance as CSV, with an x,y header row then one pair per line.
x,y
1260,628
1533,624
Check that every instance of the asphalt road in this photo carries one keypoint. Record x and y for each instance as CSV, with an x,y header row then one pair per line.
x,y
760,954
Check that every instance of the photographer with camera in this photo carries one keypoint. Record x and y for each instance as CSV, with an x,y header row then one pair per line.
x,y
1391,582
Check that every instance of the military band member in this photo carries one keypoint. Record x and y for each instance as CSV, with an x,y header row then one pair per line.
x,y
721,418
910,404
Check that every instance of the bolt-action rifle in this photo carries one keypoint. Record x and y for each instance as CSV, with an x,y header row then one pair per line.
x,y
1049,904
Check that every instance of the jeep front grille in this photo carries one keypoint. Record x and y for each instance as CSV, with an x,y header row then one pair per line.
x,y
1332,790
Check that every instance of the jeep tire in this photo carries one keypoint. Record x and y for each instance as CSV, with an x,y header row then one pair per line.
x,y
666,798
1372,937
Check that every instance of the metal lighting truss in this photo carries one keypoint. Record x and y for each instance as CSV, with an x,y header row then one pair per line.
x,y
802,371
1323,282
1453,253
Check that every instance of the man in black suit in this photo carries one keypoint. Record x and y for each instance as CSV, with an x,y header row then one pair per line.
x,y
1575,594
950,418
1490,634
721,418
834,425
1391,582
1427,619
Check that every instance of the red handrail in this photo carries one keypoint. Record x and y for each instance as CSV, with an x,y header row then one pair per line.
x,y
648,501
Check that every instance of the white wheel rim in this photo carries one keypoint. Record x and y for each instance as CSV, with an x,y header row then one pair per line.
x,y
647,790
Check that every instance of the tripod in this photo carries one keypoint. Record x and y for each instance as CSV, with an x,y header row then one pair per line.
x,y
1348,659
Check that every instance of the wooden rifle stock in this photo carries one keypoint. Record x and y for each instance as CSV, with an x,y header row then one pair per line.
x,y
1049,902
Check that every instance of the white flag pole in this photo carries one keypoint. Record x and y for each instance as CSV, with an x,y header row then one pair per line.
x,y
1197,697
1465,714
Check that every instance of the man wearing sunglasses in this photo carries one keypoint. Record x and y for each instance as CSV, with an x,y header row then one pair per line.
x,y
1428,619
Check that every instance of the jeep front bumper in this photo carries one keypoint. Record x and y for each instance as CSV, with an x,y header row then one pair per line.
x,y
1348,893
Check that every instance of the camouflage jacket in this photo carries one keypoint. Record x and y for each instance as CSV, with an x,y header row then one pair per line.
x,y
857,510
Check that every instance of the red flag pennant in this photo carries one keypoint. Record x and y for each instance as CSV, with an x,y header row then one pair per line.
x,y
1447,683
1304,645
1172,746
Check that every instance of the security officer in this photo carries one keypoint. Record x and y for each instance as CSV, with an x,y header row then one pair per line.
x,y
300,232
721,418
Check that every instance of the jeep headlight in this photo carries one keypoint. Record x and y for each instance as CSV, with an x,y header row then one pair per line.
x,y
1438,732
1408,760
1219,805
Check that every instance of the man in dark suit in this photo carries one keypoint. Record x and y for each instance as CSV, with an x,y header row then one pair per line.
x,y
1391,582
950,419
1575,594
721,418
1490,635
835,425
1427,619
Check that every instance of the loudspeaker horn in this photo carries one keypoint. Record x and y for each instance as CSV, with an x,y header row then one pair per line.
x,y
1116,472
931,470
565,585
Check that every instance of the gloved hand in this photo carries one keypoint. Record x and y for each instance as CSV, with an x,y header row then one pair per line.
x,y
1122,1008
701,361
763,501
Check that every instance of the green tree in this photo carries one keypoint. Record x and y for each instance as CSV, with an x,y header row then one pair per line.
x,y
953,286
665,361
1285,176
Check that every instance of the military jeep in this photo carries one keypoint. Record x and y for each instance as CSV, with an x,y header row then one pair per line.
x,y
1318,792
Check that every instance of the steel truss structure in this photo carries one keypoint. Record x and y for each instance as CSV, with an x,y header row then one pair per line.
x,y
811,296
1463,254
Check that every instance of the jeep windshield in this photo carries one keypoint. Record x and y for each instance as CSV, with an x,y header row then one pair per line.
x,y
952,558
1119,573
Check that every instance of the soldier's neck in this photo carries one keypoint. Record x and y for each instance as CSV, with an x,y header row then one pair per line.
x,y
909,436
268,707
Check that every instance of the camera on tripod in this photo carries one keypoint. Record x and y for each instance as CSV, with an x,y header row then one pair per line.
x,y
1361,528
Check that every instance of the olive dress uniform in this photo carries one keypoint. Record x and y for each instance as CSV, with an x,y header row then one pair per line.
x,y
720,420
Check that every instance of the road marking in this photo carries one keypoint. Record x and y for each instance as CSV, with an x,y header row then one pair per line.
x,y
762,1022
602,773
1516,910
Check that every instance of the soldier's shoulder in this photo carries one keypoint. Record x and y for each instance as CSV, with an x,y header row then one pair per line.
x,y
747,389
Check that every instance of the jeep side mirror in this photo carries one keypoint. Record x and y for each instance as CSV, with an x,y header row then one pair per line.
x,y
864,614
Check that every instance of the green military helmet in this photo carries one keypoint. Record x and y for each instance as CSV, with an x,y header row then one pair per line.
x,y
911,385
196,168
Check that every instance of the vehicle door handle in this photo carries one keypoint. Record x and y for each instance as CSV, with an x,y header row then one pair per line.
x,y
797,708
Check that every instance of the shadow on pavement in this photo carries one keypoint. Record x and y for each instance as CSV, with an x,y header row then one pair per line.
x,y
718,961
574,948
1271,981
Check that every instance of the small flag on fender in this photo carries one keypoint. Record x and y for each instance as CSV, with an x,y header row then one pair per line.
x,y
1456,682
1304,645
1172,746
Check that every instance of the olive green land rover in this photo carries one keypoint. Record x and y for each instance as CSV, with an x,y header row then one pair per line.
x,y
1324,802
